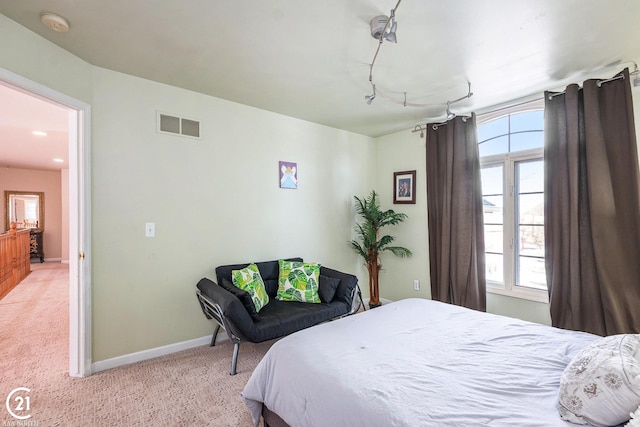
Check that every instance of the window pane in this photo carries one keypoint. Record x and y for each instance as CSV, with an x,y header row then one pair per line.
x,y
531,273
494,268
493,238
494,146
531,209
493,128
526,141
531,240
492,208
491,177
530,176
528,120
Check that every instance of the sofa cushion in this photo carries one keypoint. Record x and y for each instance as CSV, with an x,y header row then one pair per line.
x,y
346,288
298,281
249,280
271,285
243,296
279,318
327,287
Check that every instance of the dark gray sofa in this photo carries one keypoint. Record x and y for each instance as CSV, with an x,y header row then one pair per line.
x,y
230,309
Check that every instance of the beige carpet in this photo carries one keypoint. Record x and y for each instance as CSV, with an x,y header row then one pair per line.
x,y
192,387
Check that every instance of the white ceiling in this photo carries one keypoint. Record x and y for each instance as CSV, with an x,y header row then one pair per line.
x,y
310,59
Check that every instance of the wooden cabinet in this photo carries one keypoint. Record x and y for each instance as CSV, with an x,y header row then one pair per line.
x,y
37,250
14,259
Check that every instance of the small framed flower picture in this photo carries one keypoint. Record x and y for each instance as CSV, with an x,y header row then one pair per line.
x,y
404,187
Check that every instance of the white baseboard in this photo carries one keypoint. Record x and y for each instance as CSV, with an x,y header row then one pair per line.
x,y
139,356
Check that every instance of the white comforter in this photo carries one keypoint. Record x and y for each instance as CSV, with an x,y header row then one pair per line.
x,y
413,363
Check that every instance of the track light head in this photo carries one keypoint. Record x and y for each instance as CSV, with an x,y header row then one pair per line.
x,y
450,114
391,35
370,98
636,74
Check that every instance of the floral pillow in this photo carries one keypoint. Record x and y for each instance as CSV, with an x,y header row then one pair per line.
x,y
298,281
601,385
635,419
249,280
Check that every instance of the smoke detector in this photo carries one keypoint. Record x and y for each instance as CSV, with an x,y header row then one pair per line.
x,y
55,22
377,25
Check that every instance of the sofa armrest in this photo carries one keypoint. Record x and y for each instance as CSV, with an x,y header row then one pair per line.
x,y
233,315
347,289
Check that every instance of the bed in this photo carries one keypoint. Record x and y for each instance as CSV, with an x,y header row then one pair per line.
x,y
416,362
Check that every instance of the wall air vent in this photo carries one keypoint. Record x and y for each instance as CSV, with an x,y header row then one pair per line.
x,y
175,125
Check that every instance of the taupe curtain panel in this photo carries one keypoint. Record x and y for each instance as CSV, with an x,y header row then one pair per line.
x,y
592,208
456,231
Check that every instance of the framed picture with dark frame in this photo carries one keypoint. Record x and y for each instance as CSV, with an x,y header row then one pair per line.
x,y
404,187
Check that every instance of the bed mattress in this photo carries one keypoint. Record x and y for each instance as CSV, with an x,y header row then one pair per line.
x,y
416,362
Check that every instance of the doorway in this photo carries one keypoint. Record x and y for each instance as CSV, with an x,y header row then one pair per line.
x,y
78,216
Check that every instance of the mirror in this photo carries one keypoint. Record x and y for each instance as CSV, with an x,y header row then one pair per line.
x,y
25,208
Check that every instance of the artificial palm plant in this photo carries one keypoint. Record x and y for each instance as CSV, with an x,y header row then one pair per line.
x,y
371,245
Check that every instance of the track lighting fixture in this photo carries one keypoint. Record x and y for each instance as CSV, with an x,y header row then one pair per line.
x,y
370,98
384,28
636,75
450,114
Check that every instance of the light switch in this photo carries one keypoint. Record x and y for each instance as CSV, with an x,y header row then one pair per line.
x,y
150,229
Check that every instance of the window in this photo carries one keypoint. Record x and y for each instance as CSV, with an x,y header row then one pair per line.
x,y
511,158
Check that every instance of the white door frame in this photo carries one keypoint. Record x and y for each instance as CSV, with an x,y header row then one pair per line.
x,y
79,217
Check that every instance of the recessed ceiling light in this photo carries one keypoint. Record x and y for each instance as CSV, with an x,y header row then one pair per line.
x,y
58,160
39,133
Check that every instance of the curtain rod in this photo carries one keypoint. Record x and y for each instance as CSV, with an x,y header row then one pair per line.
x,y
419,128
599,83
435,126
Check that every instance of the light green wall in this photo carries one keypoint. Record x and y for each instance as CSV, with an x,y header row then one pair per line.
x,y
29,55
214,201
404,151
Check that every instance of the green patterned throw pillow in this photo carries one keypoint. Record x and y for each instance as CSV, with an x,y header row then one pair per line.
x,y
249,280
298,281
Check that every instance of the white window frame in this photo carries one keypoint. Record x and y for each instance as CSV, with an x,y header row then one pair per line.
x,y
508,162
